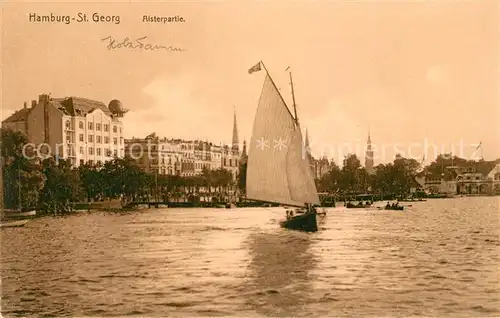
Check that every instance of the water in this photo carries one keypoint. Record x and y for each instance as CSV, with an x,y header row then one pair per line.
x,y
440,258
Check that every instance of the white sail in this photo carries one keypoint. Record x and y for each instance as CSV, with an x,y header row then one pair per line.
x,y
300,178
277,170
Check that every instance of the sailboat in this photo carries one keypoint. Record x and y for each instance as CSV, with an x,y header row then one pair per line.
x,y
278,170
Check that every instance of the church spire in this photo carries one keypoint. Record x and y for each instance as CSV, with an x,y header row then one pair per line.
x,y
235,145
369,155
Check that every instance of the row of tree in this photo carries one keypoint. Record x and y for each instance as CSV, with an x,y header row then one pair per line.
x,y
396,178
54,185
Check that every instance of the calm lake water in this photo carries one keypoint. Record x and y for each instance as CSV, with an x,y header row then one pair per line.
x,y
438,258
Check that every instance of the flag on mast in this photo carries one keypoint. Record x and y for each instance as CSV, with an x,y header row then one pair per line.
x,y
479,146
255,68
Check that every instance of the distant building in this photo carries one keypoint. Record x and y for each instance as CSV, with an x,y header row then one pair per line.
x,y
481,177
183,157
369,156
78,129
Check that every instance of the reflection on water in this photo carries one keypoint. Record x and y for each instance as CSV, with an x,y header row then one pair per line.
x,y
438,258
280,271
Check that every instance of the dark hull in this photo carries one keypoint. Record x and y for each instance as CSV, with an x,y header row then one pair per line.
x,y
350,206
305,222
399,208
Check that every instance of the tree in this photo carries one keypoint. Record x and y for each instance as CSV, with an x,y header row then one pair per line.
x,y
62,186
22,175
350,179
242,177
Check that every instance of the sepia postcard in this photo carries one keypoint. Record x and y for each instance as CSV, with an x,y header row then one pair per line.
x,y
250,158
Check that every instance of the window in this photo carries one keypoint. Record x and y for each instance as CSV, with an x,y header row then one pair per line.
x,y
81,150
121,140
98,139
98,151
115,141
91,138
115,152
91,162
80,137
114,129
106,127
91,126
82,162
106,139
68,124
80,124
91,150
98,127
68,137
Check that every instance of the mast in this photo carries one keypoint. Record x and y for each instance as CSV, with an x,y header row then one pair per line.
x,y
272,81
293,99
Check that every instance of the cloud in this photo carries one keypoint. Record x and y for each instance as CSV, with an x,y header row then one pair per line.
x,y
176,111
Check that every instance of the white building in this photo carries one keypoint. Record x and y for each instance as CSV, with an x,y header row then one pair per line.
x,y
74,128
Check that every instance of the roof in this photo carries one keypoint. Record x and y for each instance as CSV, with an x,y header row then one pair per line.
x,y
78,106
19,115
485,167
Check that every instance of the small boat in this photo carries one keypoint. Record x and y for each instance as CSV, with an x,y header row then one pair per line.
x,y
395,208
13,223
277,170
304,221
18,214
349,205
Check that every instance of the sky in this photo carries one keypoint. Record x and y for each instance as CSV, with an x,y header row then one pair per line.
x,y
409,73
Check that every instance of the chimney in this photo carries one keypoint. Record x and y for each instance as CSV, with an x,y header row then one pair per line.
x,y
43,98
33,103
25,105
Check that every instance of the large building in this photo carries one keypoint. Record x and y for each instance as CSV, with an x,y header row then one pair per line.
x,y
183,157
78,129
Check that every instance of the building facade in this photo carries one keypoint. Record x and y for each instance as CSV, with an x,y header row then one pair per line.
x,y
73,128
472,179
185,158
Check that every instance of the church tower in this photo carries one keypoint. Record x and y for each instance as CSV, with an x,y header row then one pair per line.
x,y
244,156
308,154
369,155
235,146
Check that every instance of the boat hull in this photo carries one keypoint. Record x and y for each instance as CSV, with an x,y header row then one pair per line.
x,y
304,222
398,208
357,206
13,224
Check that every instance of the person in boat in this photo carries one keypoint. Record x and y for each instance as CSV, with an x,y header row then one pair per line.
x,y
388,205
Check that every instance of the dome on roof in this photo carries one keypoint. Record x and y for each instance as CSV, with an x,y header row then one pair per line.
x,y
116,108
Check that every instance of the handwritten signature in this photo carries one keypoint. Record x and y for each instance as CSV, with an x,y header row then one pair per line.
x,y
138,44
